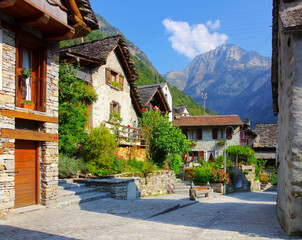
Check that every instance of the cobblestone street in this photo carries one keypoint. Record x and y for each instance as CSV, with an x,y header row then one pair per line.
x,y
234,216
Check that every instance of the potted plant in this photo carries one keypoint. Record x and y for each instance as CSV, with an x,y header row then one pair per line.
x,y
220,142
27,104
116,84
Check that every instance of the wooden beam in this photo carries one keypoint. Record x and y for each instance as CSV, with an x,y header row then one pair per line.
x,y
7,3
136,103
28,116
58,36
163,100
29,135
33,21
125,61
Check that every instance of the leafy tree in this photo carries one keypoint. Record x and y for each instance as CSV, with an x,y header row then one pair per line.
x,y
242,153
161,136
74,95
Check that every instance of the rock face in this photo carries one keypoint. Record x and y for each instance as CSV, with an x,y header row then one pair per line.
x,y
237,82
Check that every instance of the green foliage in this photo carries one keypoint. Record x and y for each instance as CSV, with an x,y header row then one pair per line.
x,y
219,162
74,95
202,174
97,151
70,166
260,166
161,136
245,154
93,35
174,161
274,178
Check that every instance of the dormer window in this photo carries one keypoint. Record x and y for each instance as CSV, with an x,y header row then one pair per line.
x,y
114,79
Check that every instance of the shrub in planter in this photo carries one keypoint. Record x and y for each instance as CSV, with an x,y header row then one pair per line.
x,y
202,174
97,150
70,166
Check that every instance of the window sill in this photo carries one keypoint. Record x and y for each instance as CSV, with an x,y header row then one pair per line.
x,y
115,88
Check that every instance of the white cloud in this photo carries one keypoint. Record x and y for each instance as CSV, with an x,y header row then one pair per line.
x,y
213,25
193,40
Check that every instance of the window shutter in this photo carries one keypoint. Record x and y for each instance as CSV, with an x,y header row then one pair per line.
x,y
41,79
199,134
119,109
214,133
185,132
221,133
111,108
122,81
108,76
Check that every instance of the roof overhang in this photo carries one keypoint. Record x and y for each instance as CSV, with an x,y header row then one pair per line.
x,y
26,14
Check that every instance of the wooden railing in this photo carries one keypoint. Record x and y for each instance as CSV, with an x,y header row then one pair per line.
x,y
126,135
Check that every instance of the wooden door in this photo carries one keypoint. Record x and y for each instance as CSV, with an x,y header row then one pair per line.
x,y
26,178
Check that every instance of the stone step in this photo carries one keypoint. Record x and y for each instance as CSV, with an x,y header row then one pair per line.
x,y
81,198
74,191
63,181
66,186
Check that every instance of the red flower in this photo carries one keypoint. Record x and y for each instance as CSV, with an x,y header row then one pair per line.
x,y
128,126
80,130
144,109
93,96
76,102
61,90
85,113
80,90
122,168
139,147
153,147
82,67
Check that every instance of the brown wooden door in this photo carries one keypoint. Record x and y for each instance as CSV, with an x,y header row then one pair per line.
x,y
26,178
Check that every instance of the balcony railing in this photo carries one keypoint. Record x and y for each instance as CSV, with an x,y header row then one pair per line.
x,y
126,135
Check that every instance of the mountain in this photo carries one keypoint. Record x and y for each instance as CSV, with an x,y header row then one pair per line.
x,y
147,74
236,82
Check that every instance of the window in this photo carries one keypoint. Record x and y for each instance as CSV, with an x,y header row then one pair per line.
x,y
31,91
114,79
191,134
229,133
115,107
214,133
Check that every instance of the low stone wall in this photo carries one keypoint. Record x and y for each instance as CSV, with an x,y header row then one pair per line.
x,y
155,183
132,152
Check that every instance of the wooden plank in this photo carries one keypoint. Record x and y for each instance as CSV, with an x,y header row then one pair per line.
x,y
33,21
28,135
59,36
7,3
28,116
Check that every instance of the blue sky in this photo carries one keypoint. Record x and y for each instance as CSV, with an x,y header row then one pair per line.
x,y
172,32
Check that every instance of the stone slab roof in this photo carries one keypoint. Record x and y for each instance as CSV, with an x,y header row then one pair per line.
x,y
267,135
220,120
100,50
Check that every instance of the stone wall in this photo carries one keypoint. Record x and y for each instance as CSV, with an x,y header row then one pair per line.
x,y
289,201
107,94
155,183
209,144
132,152
48,150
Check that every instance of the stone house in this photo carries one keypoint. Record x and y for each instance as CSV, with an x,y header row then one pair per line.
x,y
207,130
287,104
181,111
29,35
265,142
157,95
108,67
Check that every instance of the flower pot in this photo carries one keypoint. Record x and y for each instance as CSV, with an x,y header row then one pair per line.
x,y
27,106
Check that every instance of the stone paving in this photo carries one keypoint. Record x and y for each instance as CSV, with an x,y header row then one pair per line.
x,y
234,216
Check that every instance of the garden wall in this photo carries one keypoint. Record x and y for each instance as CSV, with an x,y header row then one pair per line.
x,y
155,183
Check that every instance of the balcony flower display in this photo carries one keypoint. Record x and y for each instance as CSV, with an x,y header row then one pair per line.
x,y
220,142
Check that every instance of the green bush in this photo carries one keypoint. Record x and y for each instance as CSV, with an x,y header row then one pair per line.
x,y
174,162
70,166
97,150
219,163
245,155
202,174
274,178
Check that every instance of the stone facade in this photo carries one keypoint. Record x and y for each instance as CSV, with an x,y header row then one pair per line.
x,y
107,94
48,155
289,152
208,145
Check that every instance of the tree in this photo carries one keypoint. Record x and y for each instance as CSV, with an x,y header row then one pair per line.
x,y
161,136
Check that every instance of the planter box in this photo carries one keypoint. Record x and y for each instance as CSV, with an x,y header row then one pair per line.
x,y
27,106
263,177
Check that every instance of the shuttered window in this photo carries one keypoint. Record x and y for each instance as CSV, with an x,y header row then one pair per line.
x,y
229,133
115,107
214,133
199,134
31,91
114,79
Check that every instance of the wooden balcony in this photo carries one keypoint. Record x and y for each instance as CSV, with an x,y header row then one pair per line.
x,y
126,136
